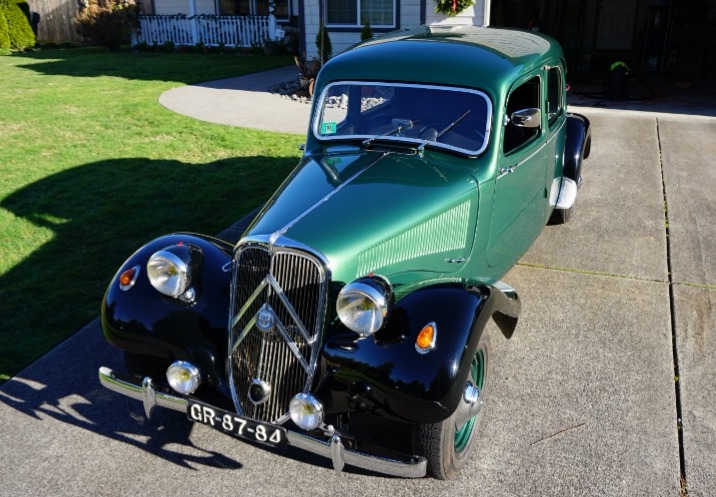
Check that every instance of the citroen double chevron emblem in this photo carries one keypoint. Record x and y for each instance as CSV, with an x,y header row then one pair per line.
x,y
265,319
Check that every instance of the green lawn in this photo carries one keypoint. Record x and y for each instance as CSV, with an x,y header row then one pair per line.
x,y
92,167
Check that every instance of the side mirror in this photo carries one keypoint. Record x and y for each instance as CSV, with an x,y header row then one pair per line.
x,y
527,118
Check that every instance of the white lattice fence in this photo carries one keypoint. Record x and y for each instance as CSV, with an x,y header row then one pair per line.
x,y
242,31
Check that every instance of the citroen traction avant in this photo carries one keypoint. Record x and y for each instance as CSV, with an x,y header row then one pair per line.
x,y
348,320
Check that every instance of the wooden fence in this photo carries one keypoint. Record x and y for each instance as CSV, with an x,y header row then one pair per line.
x,y
242,31
56,20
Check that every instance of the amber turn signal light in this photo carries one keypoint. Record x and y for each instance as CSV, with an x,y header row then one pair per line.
x,y
128,277
425,341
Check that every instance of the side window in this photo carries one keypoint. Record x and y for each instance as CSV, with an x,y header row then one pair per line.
x,y
525,96
555,91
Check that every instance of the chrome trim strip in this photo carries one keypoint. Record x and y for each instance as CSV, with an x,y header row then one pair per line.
x,y
415,467
279,233
248,303
291,311
512,169
283,242
292,345
408,467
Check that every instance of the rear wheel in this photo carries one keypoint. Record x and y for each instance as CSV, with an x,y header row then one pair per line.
x,y
447,445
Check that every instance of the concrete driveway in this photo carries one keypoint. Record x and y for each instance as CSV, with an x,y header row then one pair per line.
x,y
607,387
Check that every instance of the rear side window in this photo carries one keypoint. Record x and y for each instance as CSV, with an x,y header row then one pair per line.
x,y
555,94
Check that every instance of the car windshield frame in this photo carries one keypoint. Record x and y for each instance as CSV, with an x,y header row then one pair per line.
x,y
460,117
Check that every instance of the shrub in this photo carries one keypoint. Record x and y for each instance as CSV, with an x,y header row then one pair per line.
x,y
323,43
108,23
4,36
366,32
18,24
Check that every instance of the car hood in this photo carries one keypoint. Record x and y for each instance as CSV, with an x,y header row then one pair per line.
x,y
375,212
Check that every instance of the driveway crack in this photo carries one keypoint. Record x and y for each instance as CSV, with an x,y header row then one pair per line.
x,y
672,310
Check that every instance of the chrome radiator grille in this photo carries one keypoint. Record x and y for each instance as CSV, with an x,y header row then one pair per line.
x,y
278,300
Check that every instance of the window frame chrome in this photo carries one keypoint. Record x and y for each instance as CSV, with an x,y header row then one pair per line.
x,y
319,111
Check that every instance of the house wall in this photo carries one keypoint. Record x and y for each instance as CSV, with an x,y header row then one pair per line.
x,y
174,7
409,15
471,16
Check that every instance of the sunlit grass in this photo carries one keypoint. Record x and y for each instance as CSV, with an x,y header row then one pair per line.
x,y
91,167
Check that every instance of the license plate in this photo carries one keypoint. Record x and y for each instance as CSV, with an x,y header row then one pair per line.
x,y
235,425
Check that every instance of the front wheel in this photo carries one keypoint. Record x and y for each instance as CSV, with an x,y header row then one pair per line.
x,y
447,445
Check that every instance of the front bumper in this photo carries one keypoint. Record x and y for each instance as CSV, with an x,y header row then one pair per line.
x,y
407,467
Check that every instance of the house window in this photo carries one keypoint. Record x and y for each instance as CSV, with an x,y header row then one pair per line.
x,y
234,7
254,8
379,13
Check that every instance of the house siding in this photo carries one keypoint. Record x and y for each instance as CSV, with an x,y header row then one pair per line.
x,y
409,12
174,7
474,15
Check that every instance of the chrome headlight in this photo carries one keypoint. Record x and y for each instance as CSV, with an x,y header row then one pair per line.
x,y
170,270
363,304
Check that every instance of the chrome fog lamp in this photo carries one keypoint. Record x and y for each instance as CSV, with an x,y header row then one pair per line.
x,y
183,377
306,411
363,304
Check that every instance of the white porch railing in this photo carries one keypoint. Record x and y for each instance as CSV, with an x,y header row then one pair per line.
x,y
241,31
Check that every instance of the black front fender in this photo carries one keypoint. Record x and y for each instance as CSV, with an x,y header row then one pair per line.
x,y
384,374
144,322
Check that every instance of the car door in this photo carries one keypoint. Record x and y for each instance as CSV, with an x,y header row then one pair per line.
x,y
519,205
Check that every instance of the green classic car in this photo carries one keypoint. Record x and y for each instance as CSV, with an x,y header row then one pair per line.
x,y
348,321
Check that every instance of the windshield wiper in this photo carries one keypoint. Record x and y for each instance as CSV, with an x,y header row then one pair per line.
x,y
452,124
404,125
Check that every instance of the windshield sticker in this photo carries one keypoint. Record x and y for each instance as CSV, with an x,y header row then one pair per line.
x,y
328,128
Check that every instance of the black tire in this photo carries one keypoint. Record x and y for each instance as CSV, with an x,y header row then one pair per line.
x,y
447,448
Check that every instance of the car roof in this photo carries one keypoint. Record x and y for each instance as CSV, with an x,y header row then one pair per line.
x,y
475,57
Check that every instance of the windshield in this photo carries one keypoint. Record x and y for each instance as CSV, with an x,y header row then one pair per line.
x,y
452,118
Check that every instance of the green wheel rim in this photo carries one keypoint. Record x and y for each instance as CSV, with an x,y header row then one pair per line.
x,y
477,373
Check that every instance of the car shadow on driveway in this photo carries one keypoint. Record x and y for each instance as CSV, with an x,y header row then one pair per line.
x,y
63,387
93,217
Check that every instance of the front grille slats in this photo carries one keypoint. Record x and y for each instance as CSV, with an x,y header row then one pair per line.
x,y
282,355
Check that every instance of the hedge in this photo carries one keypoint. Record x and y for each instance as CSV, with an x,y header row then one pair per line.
x,y
18,23
4,36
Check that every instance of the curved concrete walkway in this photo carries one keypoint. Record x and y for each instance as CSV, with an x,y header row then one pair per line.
x,y
242,101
